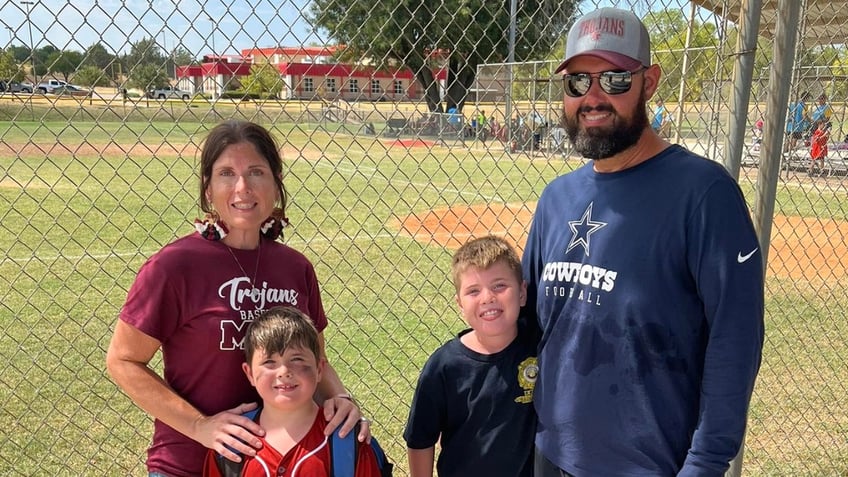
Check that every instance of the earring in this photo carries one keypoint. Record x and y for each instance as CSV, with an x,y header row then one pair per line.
x,y
273,226
211,227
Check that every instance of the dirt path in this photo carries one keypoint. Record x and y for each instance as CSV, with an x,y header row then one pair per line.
x,y
810,249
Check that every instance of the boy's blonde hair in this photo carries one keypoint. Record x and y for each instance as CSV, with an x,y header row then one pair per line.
x,y
482,253
279,328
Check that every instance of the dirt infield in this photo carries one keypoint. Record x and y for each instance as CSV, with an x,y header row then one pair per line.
x,y
165,150
810,249
409,143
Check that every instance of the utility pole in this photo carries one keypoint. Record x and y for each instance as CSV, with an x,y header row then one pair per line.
x,y
510,133
165,51
29,4
214,62
214,26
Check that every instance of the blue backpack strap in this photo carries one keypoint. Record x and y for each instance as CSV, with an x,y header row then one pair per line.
x,y
227,467
383,463
343,454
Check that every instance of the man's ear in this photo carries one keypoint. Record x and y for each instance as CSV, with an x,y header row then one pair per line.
x,y
652,80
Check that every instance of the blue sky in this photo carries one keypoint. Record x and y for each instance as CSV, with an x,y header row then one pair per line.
x,y
236,24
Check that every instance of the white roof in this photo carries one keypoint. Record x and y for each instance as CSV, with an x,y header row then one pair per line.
x,y
824,22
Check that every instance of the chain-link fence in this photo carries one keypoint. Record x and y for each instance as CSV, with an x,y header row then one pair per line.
x,y
434,122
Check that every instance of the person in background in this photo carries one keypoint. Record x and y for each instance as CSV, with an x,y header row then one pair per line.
x,y
558,139
758,132
757,136
455,119
818,145
796,123
194,299
646,275
822,112
475,394
537,126
496,128
660,118
482,124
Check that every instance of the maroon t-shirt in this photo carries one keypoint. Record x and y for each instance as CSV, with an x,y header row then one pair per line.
x,y
194,298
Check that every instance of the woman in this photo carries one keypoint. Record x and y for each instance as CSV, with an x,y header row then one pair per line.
x,y
194,299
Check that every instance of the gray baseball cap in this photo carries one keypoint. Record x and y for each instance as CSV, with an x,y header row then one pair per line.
x,y
612,34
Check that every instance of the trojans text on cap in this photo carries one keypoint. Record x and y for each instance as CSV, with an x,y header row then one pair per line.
x,y
597,26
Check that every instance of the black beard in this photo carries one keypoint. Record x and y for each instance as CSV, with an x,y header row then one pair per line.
x,y
602,143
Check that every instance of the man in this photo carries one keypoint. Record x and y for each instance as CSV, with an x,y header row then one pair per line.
x,y
645,272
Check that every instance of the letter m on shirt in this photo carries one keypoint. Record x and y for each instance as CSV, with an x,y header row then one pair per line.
x,y
232,335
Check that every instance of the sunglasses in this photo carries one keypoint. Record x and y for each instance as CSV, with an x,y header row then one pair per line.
x,y
612,82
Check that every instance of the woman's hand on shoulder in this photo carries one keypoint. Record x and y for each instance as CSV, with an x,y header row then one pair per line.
x,y
341,410
229,433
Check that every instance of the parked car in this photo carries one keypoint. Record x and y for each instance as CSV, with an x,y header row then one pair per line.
x,y
168,92
71,90
18,87
15,87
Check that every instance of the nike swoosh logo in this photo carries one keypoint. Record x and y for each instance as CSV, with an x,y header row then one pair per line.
x,y
744,258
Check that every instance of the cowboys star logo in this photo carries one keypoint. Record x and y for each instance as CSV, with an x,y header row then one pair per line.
x,y
582,229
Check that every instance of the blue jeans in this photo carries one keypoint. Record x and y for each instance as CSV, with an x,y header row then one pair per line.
x,y
156,474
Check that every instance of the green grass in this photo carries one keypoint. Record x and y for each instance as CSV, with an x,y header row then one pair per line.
x,y
78,222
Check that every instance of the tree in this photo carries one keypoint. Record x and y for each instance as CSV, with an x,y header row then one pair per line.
x,y
839,85
668,29
42,59
91,76
264,79
183,57
64,62
9,69
104,63
21,53
97,55
144,52
424,35
148,76
145,64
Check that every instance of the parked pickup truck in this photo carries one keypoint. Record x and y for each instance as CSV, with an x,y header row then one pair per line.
x,y
15,87
168,92
18,87
49,85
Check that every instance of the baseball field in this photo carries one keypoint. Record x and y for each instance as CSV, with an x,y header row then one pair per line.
x,y
88,193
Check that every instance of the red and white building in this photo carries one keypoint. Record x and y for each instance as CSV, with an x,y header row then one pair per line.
x,y
307,72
